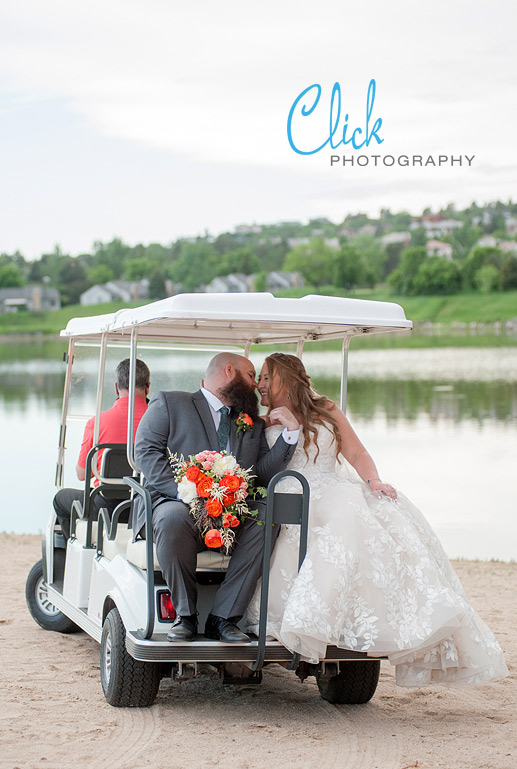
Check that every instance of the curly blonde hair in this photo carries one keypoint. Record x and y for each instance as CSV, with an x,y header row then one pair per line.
x,y
313,409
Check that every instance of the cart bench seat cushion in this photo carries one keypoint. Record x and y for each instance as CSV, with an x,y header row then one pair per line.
x,y
207,560
117,546
80,531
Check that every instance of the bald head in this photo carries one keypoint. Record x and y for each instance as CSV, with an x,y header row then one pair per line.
x,y
224,368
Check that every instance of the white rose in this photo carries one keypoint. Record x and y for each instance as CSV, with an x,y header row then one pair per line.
x,y
186,491
224,465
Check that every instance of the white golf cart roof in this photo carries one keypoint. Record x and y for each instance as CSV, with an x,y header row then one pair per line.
x,y
244,319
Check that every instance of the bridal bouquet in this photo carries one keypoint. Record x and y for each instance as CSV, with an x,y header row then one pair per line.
x,y
215,488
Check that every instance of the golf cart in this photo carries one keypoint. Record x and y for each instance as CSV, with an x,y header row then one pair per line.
x,y
102,582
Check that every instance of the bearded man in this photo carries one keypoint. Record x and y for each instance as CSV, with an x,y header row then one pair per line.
x,y
189,423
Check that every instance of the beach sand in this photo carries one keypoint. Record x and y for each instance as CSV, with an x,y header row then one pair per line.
x,y
53,713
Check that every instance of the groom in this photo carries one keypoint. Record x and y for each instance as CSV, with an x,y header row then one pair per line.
x,y
188,423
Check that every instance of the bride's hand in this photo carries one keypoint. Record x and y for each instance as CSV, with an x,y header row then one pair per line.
x,y
380,488
282,416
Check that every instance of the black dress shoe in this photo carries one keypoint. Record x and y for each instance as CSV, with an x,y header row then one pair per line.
x,y
183,629
225,630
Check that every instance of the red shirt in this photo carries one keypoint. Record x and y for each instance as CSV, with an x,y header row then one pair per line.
x,y
113,428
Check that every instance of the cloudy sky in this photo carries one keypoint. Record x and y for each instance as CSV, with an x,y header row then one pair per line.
x,y
158,119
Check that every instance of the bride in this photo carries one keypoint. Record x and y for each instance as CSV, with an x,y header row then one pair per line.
x,y
375,578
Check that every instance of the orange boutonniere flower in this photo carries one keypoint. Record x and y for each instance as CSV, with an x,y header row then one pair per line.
x,y
244,422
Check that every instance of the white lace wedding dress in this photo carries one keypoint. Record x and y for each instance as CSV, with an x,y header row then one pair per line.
x,y
375,579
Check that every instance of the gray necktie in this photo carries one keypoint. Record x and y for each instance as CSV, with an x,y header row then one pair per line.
x,y
223,431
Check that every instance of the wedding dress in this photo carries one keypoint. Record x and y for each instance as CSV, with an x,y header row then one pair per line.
x,y
375,579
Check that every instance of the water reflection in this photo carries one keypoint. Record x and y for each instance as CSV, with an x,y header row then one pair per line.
x,y
446,436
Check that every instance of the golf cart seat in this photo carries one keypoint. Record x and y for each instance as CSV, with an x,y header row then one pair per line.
x,y
207,560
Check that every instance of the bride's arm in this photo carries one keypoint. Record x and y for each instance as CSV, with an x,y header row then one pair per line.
x,y
356,454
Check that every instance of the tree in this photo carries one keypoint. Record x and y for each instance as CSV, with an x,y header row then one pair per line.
x,y
113,255
418,236
99,275
11,276
372,257
315,261
349,268
138,268
487,279
463,239
157,288
260,282
477,259
196,265
239,260
509,273
437,276
72,281
402,280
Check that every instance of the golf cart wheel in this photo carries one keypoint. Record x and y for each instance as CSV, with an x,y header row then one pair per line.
x,y
355,683
126,682
42,610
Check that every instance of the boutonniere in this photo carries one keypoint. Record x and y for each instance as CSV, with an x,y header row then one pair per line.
x,y
244,422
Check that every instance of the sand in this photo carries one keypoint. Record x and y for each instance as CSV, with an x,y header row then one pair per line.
x,y
53,713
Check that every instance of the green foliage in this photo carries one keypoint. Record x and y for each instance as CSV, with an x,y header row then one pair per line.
x,y
113,255
437,276
418,237
402,280
99,275
477,259
372,257
463,239
509,273
260,282
196,265
315,261
348,269
157,289
138,268
240,260
11,276
487,279
72,280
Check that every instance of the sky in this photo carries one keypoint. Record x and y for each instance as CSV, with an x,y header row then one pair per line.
x,y
155,120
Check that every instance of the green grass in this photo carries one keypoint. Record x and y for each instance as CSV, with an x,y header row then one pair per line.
x,y
459,308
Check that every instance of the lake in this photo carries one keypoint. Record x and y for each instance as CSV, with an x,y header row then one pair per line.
x,y
441,425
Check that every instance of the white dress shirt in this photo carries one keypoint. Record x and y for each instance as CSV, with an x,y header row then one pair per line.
x,y
289,436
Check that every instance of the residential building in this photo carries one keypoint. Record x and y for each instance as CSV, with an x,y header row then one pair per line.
x,y
439,248
33,298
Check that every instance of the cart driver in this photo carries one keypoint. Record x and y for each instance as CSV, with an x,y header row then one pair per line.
x,y
112,429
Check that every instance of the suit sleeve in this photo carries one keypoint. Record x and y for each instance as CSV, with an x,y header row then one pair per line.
x,y
151,447
272,460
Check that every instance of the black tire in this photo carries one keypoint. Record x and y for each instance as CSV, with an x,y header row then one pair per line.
x,y
355,683
42,611
126,682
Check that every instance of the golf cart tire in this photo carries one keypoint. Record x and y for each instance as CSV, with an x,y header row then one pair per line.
x,y
41,609
355,683
126,682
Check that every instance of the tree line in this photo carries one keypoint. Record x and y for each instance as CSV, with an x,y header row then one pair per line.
x,y
346,255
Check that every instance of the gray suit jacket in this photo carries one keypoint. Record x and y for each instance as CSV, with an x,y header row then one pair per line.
x,y
183,422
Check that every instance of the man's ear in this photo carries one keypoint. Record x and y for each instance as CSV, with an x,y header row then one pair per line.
x,y
230,371
116,390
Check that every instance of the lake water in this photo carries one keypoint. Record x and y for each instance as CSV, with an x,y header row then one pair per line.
x,y
441,425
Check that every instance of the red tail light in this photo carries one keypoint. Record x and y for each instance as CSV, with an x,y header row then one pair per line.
x,y
166,609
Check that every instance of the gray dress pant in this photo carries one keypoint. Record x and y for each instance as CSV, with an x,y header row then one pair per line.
x,y
178,542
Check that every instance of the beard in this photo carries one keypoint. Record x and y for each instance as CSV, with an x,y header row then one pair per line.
x,y
241,396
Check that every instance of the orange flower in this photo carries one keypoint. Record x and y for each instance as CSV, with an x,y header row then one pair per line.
x,y
232,482
234,521
213,538
228,499
214,507
227,517
247,419
193,473
203,486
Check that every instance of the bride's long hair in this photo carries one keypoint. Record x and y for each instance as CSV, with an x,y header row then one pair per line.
x,y
312,409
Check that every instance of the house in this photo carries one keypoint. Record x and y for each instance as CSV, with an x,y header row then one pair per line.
x,y
439,248
33,298
115,291
404,238
234,283
280,281
487,241
508,246
511,226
